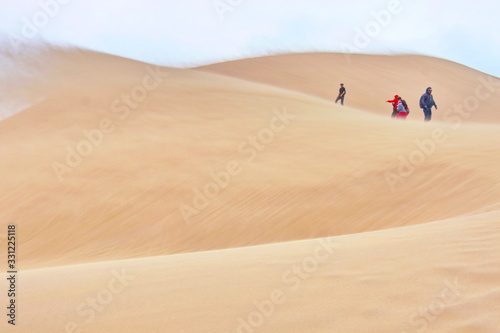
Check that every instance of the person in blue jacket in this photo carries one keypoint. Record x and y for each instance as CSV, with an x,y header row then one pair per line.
x,y
426,103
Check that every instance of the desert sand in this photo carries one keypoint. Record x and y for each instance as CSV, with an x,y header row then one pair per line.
x,y
238,197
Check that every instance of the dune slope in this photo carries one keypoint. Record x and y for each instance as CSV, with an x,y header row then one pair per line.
x,y
461,93
436,277
198,161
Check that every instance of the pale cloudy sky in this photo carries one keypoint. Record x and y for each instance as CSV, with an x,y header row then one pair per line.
x,y
192,32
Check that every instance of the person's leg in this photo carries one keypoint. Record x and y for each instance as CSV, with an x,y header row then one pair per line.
x,y
402,115
394,114
342,100
337,100
428,114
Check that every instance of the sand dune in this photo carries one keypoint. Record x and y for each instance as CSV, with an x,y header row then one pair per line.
x,y
437,277
323,172
124,165
460,92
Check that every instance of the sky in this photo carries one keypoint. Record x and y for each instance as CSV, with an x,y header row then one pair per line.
x,y
185,33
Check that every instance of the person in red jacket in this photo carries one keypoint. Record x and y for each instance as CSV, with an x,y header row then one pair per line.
x,y
395,103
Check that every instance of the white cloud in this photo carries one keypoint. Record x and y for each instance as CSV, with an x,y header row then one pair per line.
x,y
186,32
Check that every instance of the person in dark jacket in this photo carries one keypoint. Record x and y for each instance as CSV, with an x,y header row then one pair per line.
x,y
426,103
341,95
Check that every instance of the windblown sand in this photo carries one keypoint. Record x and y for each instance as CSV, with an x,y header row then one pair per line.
x,y
238,197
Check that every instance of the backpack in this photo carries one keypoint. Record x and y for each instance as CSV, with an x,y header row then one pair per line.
x,y
405,105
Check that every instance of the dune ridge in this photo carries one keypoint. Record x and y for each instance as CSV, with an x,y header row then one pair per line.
x,y
328,179
208,184
460,91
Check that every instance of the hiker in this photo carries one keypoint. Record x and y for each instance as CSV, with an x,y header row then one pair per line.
x,y
394,102
402,109
407,109
341,95
426,104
